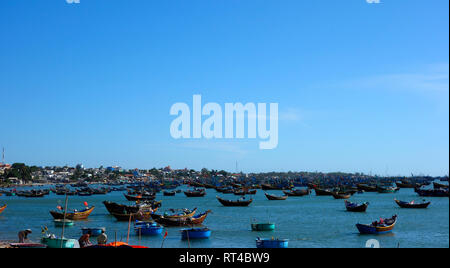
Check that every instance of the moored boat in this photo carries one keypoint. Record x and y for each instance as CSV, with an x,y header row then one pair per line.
x,y
263,226
139,197
76,215
341,195
297,192
185,213
387,190
437,185
54,242
143,214
432,192
195,233
378,227
412,204
2,208
189,221
168,193
147,228
275,197
366,187
195,193
235,203
94,231
272,243
354,207
322,192
61,222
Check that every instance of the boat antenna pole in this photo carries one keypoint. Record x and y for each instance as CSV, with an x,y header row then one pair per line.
x,y
187,233
129,223
64,220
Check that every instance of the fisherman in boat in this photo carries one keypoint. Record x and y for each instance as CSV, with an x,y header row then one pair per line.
x,y
23,235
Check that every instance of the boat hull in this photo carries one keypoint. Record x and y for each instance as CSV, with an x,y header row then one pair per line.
x,y
81,215
408,205
263,226
56,242
269,243
94,231
2,208
195,234
61,223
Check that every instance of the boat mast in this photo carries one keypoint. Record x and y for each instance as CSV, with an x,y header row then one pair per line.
x,y
64,220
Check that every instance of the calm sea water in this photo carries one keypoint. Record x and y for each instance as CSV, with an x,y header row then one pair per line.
x,y
309,221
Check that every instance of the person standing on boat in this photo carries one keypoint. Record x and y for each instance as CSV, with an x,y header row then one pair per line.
x,y
84,240
102,238
23,235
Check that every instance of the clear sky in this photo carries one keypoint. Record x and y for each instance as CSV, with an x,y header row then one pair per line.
x,y
361,87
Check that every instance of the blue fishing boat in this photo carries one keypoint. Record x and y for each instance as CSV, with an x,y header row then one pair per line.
x,y
271,243
94,231
147,228
195,233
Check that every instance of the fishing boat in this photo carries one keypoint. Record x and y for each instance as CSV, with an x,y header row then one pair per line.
x,y
185,213
354,207
405,184
322,192
147,228
271,243
437,185
297,192
76,215
263,226
195,193
195,233
33,193
266,186
367,188
245,192
412,204
168,193
94,231
341,195
27,245
54,242
132,216
139,197
432,192
387,190
189,221
61,222
275,197
235,203
378,227
113,207
2,208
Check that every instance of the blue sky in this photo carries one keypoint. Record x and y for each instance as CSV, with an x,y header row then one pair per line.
x,y
361,87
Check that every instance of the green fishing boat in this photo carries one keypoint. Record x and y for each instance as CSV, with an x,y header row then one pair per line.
x,y
61,223
53,242
263,226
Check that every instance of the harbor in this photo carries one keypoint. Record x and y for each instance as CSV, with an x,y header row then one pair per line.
x,y
308,221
